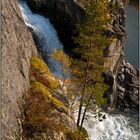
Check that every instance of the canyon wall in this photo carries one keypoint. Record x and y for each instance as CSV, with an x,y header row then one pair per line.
x,y
124,77
66,14
17,49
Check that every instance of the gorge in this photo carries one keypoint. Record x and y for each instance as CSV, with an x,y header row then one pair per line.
x,y
116,126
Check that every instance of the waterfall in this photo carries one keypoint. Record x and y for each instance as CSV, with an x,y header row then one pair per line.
x,y
46,36
112,127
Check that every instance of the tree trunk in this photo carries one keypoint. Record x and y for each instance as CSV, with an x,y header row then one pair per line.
x,y
83,119
82,97
80,109
85,110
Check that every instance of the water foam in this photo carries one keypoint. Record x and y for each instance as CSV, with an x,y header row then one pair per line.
x,y
114,127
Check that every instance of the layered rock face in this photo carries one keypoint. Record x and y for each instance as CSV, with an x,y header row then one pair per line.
x,y
17,49
128,87
123,76
64,16
47,114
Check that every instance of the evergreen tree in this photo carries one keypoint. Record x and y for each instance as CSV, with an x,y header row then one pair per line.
x,y
87,71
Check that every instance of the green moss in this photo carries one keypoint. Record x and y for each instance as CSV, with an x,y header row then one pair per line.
x,y
37,87
38,64
83,132
83,135
40,72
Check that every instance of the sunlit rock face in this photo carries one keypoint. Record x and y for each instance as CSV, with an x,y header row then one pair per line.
x,y
17,49
126,76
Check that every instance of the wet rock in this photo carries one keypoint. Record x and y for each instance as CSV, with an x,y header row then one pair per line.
x,y
121,95
130,97
122,89
127,110
121,77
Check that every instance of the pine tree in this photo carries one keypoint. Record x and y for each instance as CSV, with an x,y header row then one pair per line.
x,y
88,67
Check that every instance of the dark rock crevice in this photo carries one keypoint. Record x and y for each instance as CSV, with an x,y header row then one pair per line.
x,y
63,14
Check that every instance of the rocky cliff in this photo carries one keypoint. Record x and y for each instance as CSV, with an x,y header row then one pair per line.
x,y
23,92
123,81
24,72
17,49
66,14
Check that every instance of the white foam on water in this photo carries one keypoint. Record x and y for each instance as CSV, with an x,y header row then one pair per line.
x,y
113,127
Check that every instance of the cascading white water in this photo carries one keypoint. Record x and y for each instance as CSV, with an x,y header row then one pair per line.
x,y
103,126
114,127
46,34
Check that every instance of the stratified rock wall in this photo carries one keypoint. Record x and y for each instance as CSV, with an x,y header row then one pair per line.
x,y
125,86
17,49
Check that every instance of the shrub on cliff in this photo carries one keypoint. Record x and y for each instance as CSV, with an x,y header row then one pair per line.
x,y
77,135
41,73
42,111
40,116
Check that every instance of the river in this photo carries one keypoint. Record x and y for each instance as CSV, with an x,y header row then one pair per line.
x,y
115,127
132,29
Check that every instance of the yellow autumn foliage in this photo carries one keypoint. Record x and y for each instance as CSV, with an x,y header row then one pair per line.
x,y
39,88
40,72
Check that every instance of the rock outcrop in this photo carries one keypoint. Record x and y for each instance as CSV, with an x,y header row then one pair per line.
x,y
127,87
17,49
45,115
122,76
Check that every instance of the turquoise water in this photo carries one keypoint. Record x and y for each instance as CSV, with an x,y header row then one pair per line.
x,y
132,29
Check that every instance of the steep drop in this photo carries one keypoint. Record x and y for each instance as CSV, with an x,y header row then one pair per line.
x,y
46,36
115,127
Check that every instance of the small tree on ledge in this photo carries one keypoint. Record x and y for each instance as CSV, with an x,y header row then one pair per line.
x,y
88,70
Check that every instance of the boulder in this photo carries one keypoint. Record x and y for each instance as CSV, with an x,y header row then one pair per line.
x,y
129,87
